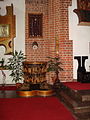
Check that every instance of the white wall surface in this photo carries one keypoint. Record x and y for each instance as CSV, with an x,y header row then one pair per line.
x,y
81,38
19,40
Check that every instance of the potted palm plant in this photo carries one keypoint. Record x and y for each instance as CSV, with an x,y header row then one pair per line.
x,y
15,65
53,65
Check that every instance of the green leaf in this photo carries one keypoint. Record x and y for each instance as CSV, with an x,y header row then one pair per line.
x,y
15,65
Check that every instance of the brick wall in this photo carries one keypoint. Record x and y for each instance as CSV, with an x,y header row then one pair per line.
x,y
55,25
42,51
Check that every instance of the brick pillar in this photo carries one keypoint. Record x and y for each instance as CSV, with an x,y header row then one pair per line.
x,y
55,24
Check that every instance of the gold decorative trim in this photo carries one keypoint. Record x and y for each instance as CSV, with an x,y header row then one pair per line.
x,y
35,93
45,92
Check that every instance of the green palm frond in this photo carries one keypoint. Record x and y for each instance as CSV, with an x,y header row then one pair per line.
x,y
54,64
15,65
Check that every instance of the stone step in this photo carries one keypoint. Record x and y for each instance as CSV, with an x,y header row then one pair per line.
x,y
73,101
78,95
82,109
81,116
78,109
86,98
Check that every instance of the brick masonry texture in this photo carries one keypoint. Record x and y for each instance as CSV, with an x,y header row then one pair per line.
x,y
55,25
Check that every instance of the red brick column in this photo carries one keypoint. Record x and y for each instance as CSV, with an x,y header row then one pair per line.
x,y
55,24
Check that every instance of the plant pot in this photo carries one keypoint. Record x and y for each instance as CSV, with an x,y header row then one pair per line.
x,y
18,85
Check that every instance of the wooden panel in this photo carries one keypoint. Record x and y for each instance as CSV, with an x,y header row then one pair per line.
x,y
8,20
34,72
83,4
83,12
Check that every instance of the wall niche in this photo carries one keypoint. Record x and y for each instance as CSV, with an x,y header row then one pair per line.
x,y
83,12
35,25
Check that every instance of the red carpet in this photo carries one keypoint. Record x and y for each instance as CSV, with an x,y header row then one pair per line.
x,y
77,85
35,108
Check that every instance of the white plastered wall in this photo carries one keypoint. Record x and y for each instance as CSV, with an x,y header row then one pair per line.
x,y
81,39
19,40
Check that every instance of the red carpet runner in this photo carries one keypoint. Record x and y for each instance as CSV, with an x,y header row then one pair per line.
x,y
36,108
